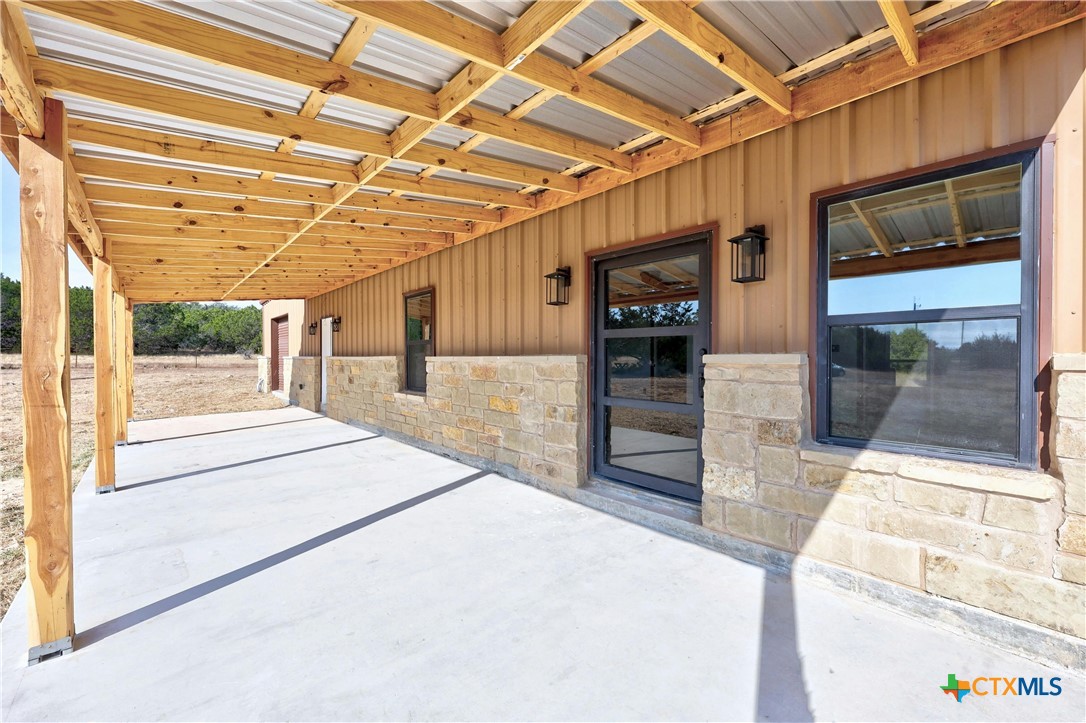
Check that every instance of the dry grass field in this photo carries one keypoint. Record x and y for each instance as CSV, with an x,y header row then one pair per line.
x,y
164,386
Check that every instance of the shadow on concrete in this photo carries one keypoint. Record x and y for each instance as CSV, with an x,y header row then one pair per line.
x,y
219,431
129,620
782,691
258,460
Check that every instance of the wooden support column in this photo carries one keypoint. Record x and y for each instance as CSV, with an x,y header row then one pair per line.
x,y
47,442
120,367
105,434
129,351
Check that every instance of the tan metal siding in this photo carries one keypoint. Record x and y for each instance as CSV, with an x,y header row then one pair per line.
x,y
490,291
294,310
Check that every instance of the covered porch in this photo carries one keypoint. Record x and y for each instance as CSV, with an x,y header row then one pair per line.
x,y
279,565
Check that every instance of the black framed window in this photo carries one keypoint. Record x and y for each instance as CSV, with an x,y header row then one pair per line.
x,y
926,313
419,336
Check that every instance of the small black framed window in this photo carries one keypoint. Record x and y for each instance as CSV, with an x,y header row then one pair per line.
x,y
926,328
419,336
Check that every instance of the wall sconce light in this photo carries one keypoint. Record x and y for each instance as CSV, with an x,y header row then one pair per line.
x,y
558,286
748,255
313,329
336,322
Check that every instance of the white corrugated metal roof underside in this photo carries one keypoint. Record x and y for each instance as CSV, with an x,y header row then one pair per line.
x,y
484,173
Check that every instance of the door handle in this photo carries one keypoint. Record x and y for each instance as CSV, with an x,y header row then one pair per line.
x,y
701,373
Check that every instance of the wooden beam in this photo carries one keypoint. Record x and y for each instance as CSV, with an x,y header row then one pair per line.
x,y
210,182
441,28
983,32
120,365
186,148
140,198
623,43
17,90
955,212
977,252
874,230
47,439
698,35
340,217
324,78
79,212
903,29
105,478
147,24
129,361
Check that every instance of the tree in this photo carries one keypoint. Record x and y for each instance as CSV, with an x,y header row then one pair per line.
x,y
11,315
81,319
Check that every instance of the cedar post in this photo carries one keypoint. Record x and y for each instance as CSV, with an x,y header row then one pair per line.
x,y
104,384
120,367
129,347
47,442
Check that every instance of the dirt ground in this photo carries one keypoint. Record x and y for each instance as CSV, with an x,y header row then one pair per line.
x,y
164,386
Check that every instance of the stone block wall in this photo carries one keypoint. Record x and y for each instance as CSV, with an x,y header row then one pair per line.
x,y
1069,423
527,414
263,374
1006,540
303,381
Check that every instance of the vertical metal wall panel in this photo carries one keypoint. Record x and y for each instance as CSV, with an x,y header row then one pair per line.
x,y
490,293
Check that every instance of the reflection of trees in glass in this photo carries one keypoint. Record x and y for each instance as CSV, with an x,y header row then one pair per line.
x,y
910,344
414,329
681,313
861,347
995,351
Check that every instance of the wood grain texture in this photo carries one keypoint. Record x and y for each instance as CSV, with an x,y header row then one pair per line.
x,y
18,92
699,36
129,353
104,377
47,447
902,27
120,346
492,287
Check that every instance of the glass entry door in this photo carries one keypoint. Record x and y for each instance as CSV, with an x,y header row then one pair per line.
x,y
651,328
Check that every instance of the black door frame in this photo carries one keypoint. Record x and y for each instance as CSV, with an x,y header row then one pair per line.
x,y
683,243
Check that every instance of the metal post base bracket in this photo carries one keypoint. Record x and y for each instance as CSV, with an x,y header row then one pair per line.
x,y
105,489
45,651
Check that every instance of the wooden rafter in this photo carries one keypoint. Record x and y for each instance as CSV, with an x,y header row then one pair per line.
x,y
348,49
874,230
696,34
438,27
902,27
990,29
955,212
790,77
198,203
161,28
591,65
155,98
24,104
20,96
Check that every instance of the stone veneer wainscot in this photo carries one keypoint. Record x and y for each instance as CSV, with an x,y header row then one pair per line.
x,y
525,413
1006,540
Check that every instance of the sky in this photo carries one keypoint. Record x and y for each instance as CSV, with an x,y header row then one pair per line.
x,y
9,242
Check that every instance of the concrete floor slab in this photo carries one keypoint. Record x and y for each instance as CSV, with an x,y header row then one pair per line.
x,y
279,565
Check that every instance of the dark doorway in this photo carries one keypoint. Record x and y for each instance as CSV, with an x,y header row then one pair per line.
x,y
651,327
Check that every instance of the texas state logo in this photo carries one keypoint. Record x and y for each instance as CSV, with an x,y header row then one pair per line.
x,y
997,685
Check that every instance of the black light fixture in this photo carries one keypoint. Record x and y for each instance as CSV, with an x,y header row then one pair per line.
x,y
748,255
313,329
558,286
336,323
